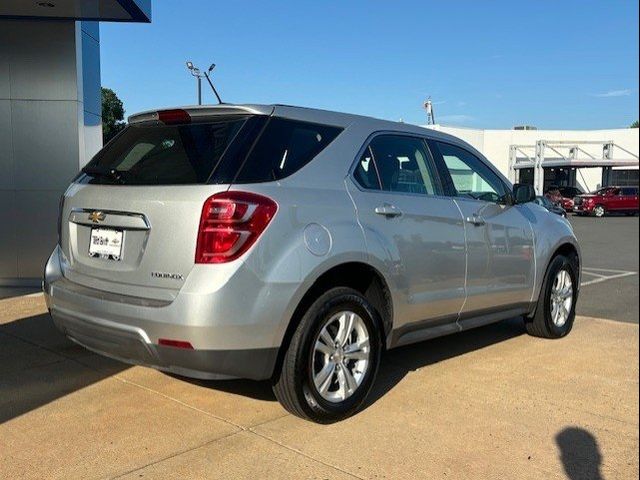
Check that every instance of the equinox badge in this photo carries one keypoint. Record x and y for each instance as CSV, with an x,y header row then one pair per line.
x,y
172,276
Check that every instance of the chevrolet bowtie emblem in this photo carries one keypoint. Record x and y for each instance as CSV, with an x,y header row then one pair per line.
x,y
97,217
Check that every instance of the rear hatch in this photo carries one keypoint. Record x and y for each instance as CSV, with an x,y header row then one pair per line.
x,y
129,222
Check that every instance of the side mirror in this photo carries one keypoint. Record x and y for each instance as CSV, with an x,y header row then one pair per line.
x,y
523,193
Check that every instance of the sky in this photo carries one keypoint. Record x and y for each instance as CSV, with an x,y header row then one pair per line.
x,y
552,64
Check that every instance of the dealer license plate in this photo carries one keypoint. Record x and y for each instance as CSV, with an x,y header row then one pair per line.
x,y
106,243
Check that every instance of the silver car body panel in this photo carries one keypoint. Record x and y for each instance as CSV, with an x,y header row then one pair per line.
x,y
443,274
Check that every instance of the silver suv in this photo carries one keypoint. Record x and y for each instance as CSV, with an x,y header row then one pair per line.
x,y
296,245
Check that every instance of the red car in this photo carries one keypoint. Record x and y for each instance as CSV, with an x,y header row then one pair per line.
x,y
608,199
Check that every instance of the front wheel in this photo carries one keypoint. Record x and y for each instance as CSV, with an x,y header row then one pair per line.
x,y
599,211
332,360
556,309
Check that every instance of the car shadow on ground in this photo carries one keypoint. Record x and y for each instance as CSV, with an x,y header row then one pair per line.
x,y
39,365
258,390
396,363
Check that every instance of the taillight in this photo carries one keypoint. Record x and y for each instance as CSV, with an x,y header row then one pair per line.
x,y
230,223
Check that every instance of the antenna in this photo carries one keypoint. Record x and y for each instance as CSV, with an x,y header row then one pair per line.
x,y
215,92
428,106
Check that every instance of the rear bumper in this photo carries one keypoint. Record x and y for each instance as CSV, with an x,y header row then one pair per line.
x,y
131,345
128,329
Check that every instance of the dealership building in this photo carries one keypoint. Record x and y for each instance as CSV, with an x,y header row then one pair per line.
x,y
587,159
50,117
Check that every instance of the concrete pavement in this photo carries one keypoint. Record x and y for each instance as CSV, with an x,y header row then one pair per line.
x,y
489,403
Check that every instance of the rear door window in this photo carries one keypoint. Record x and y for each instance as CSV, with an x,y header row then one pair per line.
x,y
397,163
283,148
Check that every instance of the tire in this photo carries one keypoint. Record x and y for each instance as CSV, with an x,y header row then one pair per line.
x,y
302,366
542,323
599,211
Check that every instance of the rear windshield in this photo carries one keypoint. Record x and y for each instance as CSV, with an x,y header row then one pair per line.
x,y
152,154
248,149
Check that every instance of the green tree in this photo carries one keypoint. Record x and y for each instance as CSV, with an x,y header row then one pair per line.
x,y
635,124
112,114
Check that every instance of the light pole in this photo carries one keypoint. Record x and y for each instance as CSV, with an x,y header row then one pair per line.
x,y
195,71
431,117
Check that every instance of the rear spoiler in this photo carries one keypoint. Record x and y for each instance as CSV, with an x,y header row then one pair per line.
x,y
201,113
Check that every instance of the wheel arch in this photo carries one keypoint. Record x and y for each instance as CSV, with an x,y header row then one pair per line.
x,y
568,249
358,275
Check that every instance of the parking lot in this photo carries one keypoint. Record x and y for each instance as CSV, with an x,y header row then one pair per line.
x,y
487,403
610,261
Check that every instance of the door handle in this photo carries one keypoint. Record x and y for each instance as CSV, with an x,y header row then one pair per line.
x,y
476,220
388,210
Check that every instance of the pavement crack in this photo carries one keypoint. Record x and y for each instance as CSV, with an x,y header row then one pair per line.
x,y
241,428
177,454
180,402
300,452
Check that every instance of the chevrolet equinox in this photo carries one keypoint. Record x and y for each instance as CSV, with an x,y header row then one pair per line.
x,y
296,245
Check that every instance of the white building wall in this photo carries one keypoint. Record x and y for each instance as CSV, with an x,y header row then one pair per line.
x,y
494,144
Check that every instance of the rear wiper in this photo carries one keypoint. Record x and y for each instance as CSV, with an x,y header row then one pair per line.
x,y
110,173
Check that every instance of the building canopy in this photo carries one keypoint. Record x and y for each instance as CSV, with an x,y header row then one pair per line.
x,y
99,10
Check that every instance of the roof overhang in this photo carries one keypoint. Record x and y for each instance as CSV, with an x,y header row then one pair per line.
x,y
98,10
578,163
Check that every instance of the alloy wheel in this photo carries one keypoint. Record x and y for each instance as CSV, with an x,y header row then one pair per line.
x,y
561,298
341,356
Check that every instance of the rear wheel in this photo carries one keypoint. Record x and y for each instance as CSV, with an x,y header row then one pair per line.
x,y
556,309
331,363
599,211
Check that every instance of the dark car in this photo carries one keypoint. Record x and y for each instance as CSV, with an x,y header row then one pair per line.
x,y
563,196
549,205
553,195
608,199
568,194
